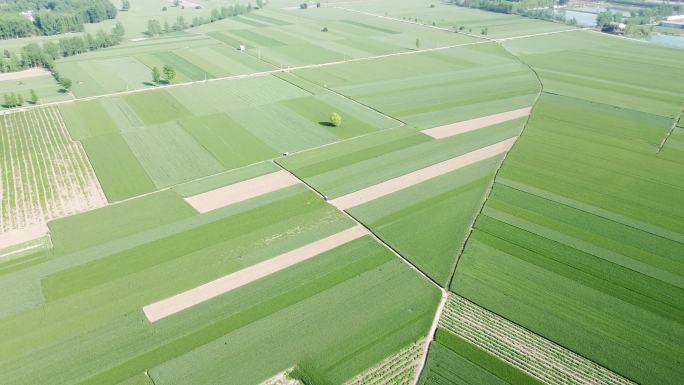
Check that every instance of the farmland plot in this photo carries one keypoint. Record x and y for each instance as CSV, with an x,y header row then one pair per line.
x,y
525,353
45,174
94,296
582,237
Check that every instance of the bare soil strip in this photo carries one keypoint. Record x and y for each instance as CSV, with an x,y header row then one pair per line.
x,y
399,183
16,237
241,191
25,74
192,297
475,124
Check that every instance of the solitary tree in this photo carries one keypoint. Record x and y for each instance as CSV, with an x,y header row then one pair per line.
x,y
156,75
66,83
336,119
20,100
153,28
34,96
169,73
176,2
417,43
485,30
125,5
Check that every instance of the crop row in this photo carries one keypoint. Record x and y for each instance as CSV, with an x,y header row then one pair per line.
x,y
531,353
397,369
45,174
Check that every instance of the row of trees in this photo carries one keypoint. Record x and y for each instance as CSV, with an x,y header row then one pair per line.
x,y
44,55
155,28
52,17
168,72
16,99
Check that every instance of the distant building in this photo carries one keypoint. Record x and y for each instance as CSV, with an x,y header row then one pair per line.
x,y
29,15
675,21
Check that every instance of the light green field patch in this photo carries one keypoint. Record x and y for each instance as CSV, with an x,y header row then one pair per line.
x,y
282,129
255,38
170,155
83,83
117,221
119,172
45,87
87,119
319,111
121,113
266,19
228,96
225,38
320,161
130,71
213,182
227,141
156,107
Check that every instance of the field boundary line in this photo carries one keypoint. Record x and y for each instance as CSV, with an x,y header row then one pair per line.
x,y
240,76
677,119
490,188
444,294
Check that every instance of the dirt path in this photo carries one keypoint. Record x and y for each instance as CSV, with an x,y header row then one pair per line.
x,y
399,183
475,124
241,191
25,74
192,297
16,237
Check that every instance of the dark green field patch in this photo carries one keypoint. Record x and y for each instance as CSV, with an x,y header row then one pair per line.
x,y
87,119
319,111
249,22
230,143
188,69
453,360
270,20
117,221
98,272
118,170
156,107
369,26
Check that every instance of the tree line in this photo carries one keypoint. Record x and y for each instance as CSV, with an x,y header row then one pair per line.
x,y
51,17
44,55
155,28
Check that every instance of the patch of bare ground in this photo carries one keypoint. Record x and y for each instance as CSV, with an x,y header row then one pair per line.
x,y
475,124
44,174
399,183
172,305
398,369
241,191
25,74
